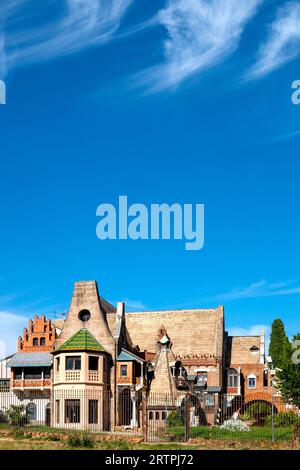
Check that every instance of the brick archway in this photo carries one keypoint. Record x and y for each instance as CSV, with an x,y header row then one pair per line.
x,y
266,397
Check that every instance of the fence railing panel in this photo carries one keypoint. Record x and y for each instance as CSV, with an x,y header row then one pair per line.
x,y
155,417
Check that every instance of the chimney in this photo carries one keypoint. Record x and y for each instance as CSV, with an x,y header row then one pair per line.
x,y
262,348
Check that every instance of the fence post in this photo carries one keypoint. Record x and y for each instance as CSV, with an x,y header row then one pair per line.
x,y
187,418
144,416
273,427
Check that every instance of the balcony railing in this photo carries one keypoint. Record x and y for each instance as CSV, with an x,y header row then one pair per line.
x,y
130,380
73,376
31,383
93,376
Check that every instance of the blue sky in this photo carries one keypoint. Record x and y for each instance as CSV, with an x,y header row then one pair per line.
x,y
181,101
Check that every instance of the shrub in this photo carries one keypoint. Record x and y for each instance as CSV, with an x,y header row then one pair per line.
x,y
174,419
283,419
87,441
235,425
17,416
80,440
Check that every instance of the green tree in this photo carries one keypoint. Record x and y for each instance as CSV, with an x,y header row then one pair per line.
x,y
280,347
289,376
289,383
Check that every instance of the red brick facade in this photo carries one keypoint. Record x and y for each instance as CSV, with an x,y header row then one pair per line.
x,y
39,336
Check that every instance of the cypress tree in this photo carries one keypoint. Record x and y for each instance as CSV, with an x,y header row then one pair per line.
x,y
280,347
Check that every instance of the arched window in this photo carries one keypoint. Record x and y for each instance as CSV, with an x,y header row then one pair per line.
x,y
150,414
42,342
157,415
232,378
163,415
31,411
35,342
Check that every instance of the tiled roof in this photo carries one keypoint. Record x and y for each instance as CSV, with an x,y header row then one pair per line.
x,y
33,359
128,356
83,340
214,389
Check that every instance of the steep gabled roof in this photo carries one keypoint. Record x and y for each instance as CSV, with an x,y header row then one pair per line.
x,y
191,331
83,340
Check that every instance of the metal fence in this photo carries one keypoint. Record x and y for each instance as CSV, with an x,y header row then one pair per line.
x,y
154,417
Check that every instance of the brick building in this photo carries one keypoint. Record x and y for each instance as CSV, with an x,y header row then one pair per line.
x,y
94,367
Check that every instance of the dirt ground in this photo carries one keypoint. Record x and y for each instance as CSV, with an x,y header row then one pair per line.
x,y
46,443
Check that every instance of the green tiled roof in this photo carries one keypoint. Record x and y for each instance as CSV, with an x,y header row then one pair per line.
x,y
83,340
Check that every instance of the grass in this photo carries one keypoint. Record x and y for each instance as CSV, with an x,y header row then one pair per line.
x,y
203,437
255,433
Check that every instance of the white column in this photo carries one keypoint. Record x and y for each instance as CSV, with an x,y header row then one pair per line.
x,y
134,422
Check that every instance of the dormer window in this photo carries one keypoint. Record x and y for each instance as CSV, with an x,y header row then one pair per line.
x,y
254,349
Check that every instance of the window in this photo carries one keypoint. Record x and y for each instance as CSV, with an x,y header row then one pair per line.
x,y
150,415
32,373
93,411
157,415
210,399
72,411
42,342
137,369
57,411
47,373
93,363
4,385
251,381
35,342
84,315
232,378
31,411
124,371
163,415
73,363
57,363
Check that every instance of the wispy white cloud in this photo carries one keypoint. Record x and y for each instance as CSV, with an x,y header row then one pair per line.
x,y
134,305
261,289
282,43
83,23
12,326
200,34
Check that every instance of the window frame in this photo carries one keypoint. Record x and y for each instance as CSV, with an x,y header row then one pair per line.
x,y
252,378
75,360
232,378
